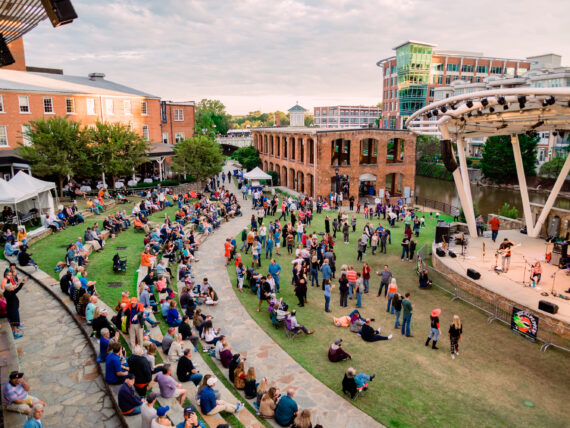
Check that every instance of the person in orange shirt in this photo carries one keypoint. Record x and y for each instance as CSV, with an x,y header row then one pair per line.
x,y
228,251
495,223
147,259
101,193
392,290
140,225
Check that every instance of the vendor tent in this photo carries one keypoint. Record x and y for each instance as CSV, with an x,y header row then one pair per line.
x,y
11,195
41,197
255,175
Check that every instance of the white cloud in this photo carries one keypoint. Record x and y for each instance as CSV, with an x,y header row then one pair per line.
x,y
258,54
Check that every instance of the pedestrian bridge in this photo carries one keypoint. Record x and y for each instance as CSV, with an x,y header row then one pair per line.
x,y
236,142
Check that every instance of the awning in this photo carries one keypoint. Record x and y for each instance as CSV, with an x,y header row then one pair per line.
x,y
367,177
158,150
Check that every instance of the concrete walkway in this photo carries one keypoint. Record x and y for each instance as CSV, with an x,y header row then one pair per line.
x,y
246,337
58,363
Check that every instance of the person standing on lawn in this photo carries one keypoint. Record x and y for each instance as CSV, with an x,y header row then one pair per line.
x,y
392,290
434,328
366,277
328,290
343,288
326,271
385,277
455,332
358,288
407,318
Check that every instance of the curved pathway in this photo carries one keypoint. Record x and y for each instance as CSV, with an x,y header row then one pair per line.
x,y
59,364
329,409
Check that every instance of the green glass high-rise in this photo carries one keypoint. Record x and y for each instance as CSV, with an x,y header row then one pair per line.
x,y
414,62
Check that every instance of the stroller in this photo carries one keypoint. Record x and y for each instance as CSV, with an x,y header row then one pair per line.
x,y
119,265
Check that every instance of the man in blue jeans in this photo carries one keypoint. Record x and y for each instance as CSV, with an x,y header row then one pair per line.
x,y
275,271
407,307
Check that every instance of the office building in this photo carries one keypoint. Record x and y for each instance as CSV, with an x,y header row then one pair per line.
x,y
335,117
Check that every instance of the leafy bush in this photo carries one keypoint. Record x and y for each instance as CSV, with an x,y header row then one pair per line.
x,y
248,157
508,211
552,168
462,218
433,170
274,177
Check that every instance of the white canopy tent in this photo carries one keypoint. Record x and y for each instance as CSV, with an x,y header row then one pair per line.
x,y
39,188
255,175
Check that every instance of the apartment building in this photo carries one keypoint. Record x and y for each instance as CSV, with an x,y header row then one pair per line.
x,y
410,77
336,117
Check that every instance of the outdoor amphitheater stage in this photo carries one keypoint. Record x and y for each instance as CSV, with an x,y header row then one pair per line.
x,y
509,287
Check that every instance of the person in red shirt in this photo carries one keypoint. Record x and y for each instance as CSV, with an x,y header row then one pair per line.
x,y
366,277
495,223
228,251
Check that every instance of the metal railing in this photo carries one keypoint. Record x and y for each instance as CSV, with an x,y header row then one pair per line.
x,y
437,205
499,309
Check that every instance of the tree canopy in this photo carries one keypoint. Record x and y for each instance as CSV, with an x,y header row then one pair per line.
x,y
200,156
211,118
427,147
58,147
248,157
552,168
498,161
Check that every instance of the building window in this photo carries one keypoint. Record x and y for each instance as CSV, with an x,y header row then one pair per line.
x,y
3,136
392,123
431,92
496,70
26,140
452,67
1,104
465,68
145,132
144,108
109,106
90,106
127,107
448,79
24,104
178,115
70,105
165,137
483,69
179,136
48,105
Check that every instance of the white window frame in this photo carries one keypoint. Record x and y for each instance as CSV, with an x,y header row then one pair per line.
x,y
127,108
144,108
67,104
25,138
146,132
178,137
179,115
26,105
3,136
90,102
2,104
109,106
165,134
50,100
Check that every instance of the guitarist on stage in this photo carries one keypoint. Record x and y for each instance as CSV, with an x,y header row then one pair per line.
x,y
505,251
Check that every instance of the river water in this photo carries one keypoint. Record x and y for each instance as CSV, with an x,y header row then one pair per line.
x,y
488,199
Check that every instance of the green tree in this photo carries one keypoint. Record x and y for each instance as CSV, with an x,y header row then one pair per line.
x,y
248,157
211,118
498,161
58,147
116,150
552,168
509,211
200,156
427,147
309,120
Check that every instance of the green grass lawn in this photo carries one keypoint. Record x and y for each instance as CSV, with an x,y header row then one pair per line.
x,y
487,385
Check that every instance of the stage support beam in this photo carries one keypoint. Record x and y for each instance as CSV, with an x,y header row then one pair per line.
x,y
551,199
522,183
459,184
464,172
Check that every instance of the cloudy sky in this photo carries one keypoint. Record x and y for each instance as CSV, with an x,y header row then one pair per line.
x,y
267,54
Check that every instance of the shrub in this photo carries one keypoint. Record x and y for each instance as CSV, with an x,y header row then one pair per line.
x,y
433,170
508,211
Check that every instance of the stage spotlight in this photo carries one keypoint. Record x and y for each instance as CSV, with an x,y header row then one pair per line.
x,y
502,101
522,101
443,109
462,119
469,114
480,112
506,107
453,106
6,57
550,100
428,115
492,109
485,102
435,112
469,103
537,124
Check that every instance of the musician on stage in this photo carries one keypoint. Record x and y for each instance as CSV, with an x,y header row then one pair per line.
x,y
505,250
536,272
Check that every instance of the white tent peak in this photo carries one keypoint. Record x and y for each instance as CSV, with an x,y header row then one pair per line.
x,y
25,181
257,174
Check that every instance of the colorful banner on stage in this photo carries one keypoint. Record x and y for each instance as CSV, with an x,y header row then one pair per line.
x,y
524,323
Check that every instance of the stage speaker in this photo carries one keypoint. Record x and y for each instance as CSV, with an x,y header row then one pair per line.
x,y
59,12
6,57
549,307
451,254
440,252
447,155
472,273
442,232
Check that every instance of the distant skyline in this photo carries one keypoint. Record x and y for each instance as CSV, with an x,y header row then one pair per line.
x,y
259,55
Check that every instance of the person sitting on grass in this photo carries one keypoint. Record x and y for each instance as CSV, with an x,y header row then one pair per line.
x,y
336,353
368,333
425,282
353,382
295,326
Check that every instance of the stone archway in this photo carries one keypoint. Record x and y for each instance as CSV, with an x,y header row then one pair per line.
x,y
300,182
284,181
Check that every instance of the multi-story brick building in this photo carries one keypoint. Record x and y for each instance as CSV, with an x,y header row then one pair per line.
x,y
29,93
410,77
353,161
345,116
